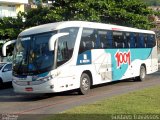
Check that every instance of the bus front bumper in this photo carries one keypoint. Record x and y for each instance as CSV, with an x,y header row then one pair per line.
x,y
46,87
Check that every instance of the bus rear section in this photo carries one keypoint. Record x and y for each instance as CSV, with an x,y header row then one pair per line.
x,y
109,55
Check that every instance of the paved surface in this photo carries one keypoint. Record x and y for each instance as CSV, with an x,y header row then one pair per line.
x,y
11,103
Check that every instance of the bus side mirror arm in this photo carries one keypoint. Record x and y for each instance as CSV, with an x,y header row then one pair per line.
x,y
5,47
53,45
53,39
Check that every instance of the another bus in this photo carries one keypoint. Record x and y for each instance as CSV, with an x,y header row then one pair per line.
x,y
72,55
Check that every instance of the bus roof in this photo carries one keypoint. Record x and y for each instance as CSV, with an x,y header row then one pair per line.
x,y
60,25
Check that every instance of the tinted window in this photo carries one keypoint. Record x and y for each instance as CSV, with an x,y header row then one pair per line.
x,y
132,40
9,67
89,40
127,39
151,41
119,41
140,42
110,38
1,65
145,41
105,38
66,45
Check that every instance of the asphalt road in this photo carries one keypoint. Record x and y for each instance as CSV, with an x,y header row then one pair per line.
x,y
12,103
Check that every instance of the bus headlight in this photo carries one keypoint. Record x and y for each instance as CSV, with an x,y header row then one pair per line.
x,y
45,79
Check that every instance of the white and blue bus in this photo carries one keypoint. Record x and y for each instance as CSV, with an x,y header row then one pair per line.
x,y
72,55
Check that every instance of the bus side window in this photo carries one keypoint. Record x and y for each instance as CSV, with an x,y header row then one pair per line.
x,y
97,41
132,38
92,41
151,41
140,41
127,40
118,39
110,39
66,45
88,40
104,43
145,41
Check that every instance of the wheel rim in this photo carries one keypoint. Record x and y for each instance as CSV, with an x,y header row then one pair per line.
x,y
85,84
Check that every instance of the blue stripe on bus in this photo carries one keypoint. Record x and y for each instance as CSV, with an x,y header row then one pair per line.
x,y
84,58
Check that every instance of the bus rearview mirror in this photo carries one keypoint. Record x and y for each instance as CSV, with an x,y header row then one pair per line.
x,y
54,38
4,48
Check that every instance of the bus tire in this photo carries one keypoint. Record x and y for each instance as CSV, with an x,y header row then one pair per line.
x,y
85,84
142,73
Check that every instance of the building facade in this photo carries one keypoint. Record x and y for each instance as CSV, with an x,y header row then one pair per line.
x,y
10,8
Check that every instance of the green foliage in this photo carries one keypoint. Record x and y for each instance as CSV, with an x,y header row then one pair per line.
x,y
152,2
34,17
10,27
128,13
140,103
122,12
131,13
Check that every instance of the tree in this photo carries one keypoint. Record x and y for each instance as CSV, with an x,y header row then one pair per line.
x,y
11,27
131,13
152,2
34,17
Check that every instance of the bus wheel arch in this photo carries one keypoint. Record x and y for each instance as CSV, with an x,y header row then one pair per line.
x,y
142,73
85,82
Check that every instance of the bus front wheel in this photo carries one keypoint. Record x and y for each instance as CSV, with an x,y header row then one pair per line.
x,y
85,84
142,74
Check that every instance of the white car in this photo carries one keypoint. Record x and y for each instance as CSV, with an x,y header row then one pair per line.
x,y
5,72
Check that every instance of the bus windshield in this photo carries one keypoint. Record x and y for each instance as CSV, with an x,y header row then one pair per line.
x,y
32,55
